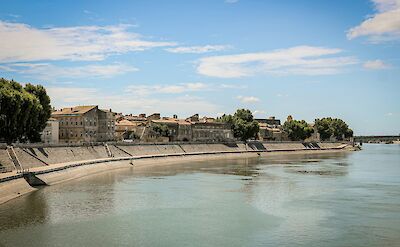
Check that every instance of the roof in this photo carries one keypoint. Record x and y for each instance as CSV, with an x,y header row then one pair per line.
x,y
172,121
77,110
125,122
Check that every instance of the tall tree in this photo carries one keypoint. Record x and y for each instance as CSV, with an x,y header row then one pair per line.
x,y
333,127
242,123
297,130
23,111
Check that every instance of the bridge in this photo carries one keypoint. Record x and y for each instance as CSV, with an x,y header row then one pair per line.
x,y
376,138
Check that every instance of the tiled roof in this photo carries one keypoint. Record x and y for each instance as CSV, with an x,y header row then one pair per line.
x,y
173,121
125,122
77,110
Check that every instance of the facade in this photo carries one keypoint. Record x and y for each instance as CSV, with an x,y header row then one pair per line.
x,y
211,131
125,127
80,124
271,130
193,129
51,132
106,126
271,133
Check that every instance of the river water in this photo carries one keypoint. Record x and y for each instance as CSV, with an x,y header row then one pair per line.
x,y
341,199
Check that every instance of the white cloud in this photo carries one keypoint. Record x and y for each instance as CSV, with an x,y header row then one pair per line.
x,y
48,71
248,99
233,86
126,102
231,1
144,90
382,26
198,49
376,64
23,43
259,113
299,60
389,114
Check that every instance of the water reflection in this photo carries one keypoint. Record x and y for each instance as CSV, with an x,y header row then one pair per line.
x,y
335,199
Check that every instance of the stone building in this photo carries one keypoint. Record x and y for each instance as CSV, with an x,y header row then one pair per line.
x,y
106,125
193,129
271,133
211,131
271,129
50,134
124,129
80,124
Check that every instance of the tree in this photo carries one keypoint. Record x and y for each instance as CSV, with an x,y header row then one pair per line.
x,y
297,130
160,130
43,114
242,123
332,127
23,111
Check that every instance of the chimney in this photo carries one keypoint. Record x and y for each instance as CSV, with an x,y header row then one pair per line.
x,y
110,110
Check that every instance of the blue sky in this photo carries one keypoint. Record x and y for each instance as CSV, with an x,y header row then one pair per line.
x,y
310,59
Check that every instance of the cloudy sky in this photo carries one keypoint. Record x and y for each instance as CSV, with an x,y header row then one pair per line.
x,y
309,59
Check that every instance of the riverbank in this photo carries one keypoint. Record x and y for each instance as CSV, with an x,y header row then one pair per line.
x,y
43,172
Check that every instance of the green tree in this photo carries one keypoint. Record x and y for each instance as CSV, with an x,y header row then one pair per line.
x,y
332,127
297,130
43,113
242,123
160,130
22,115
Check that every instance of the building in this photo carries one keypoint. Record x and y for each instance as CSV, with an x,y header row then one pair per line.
x,y
269,121
211,131
80,124
271,130
106,125
192,129
51,132
125,129
271,133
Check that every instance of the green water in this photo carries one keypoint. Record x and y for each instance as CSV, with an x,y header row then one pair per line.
x,y
343,199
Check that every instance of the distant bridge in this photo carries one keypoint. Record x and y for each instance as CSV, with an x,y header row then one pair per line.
x,y
376,138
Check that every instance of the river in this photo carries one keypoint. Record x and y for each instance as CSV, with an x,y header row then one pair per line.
x,y
336,199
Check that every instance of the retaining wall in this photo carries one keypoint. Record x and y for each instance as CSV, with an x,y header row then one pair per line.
x,y
33,156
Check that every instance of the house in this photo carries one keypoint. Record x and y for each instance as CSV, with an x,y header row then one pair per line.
x,y
125,129
51,132
80,124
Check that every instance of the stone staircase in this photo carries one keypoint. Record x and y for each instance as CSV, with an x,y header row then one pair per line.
x,y
14,158
109,153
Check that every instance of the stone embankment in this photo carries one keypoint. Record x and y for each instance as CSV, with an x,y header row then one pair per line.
x,y
46,165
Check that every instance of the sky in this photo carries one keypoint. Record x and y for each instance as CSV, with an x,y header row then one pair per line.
x,y
308,59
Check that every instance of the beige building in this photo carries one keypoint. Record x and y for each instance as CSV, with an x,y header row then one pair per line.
x,y
271,133
194,129
124,128
80,124
271,129
51,132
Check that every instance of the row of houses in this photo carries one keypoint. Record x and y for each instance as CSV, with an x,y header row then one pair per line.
x,y
83,124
